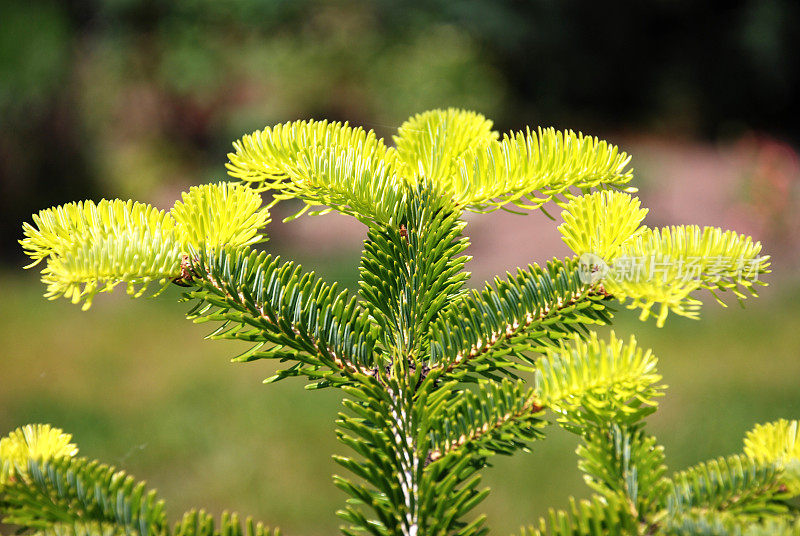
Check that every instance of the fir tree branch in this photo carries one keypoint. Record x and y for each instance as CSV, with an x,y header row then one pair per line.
x,y
601,222
288,314
382,426
93,247
658,267
598,516
496,418
530,168
350,170
680,260
593,383
430,145
404,353
625,463
411,269
736,484
324,164
525,313
711,523
777,443
200,523
75,490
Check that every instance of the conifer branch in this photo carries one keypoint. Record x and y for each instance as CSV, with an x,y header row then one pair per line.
x,y
93,247
288,314
658,267
75,490
777,443
335,166
411,269
594,382
625,463
736,484
324,164
402,354
430,145
705,523
497,418
682,259
525,313
528,169
598,516
380,426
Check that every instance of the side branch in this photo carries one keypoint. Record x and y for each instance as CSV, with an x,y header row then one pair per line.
x,y
499,417
260,312
496,340
487,431
528,312
288,314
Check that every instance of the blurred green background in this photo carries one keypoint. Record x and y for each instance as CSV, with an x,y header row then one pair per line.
x,y
139,98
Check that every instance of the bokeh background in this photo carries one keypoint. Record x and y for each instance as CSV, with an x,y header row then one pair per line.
x,y
142,98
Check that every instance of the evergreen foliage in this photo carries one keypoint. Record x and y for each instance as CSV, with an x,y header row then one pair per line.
x,y
432,373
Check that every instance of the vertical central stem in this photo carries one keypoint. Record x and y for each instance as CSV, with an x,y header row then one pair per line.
x,y
409,461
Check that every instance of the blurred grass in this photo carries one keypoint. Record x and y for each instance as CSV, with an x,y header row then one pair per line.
x,y
139,387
